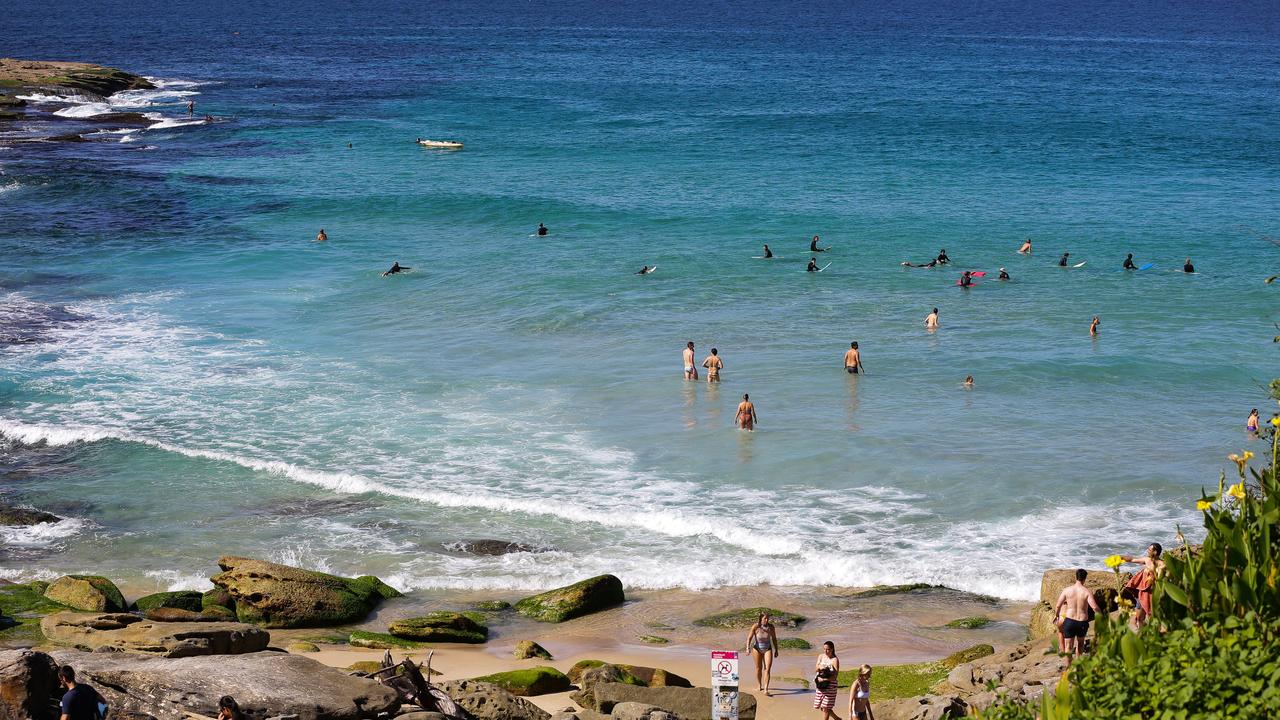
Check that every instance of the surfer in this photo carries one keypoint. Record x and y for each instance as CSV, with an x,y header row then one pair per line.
x,y
853,359
929,264
1026,247
191,108
396,267
1004,275
644,270
767,252
1128,262
813,265
320,236
713,364
931,320
542,230
747,413
942,258
966,279
813,245
1063,261
1187,267
1093,326
690,372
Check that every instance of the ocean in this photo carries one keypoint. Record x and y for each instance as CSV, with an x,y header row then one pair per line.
x,y
187,374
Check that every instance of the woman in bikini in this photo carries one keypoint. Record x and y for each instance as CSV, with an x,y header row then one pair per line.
x,y
860,696
826,677
747,413
763,642
1252,423
1144,582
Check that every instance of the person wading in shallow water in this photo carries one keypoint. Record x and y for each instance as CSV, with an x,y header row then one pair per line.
x,y
763,643
853,359
747,413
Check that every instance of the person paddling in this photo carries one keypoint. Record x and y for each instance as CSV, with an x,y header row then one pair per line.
x,y
644,270
321,236
1026,247
1187,267
542,230
396,267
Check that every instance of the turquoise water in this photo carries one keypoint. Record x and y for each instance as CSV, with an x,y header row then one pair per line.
x,y
187,374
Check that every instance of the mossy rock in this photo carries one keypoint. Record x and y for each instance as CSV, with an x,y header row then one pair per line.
x,y
794,643
970,623
303,646
653,639
25,604
182,600
747,617
526,649
492,605
969,654
575,672
219,598
168,614
279,596
581,598
10,515
442,626
381,641
658,626
91,593
893,589
623,675
541,680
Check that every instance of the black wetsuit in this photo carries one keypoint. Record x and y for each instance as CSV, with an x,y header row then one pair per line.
x,y
813,266
1004,275
1188,268
1063,261
768,253
942,258
395,268
1128,263
966,281
542,230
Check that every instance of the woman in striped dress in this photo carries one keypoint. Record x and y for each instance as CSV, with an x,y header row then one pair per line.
x,y
826,678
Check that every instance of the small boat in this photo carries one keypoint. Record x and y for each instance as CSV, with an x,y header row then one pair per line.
x,y
440,144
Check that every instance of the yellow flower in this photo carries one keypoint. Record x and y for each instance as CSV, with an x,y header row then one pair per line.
x,y
1203,505
1236,491
1276,421
1114,561
1248,455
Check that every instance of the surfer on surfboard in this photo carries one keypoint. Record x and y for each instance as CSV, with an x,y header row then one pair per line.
x,y
1026,247
942,258
1128,263
813,265
542,230
396,267
1187,267
1063,261
646,270
813,245
767,252
929,264
1003,275
966,280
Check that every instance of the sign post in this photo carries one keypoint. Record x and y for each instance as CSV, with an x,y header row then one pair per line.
x,y
724,685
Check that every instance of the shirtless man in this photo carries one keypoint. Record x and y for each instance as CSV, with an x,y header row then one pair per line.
x,y
713,364
1074,605
320,236
931,320
1026,247
853,359
746,418
690,372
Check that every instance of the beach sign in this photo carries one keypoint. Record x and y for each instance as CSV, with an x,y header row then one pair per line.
x,y
724,685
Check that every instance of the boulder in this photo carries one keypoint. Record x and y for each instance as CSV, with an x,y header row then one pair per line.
x,y
380,641
1041,624
421,715
528,682
492,605
969,623
635,711
131,633
656,677
1103,583
653,639
746,617
265,684
491,547
27,681
526,649
217,597
213,613
687,703
303,646
588,677
581,598
280,596
969,654
91,593
10,515
924,707
442,626
490,702
182,600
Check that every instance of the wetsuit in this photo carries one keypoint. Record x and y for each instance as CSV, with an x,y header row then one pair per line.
x,y
542,230
1004,275
1128,263
813,266
395,268
942,258
1063,261
966,280
768,253
1188,268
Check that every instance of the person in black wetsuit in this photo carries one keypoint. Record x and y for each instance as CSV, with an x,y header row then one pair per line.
x,y
942,257
813,245
1188,267
966,280
542,230
1128,263
645,270
929,264
813,265
1003,275
767,252
396,267
1063,261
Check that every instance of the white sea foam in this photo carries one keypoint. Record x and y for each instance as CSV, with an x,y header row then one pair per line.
x,y
174,122
40,534
85,110
175,580
8,187
46,98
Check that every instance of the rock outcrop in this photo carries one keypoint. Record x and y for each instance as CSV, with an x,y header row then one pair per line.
x,y
526,649
182,599
746,617
27,681
211,614
686,703
84,77
265,684
442,626
91,593
122,631
581,598
10,515
490,702
279,596
1103,583
528,682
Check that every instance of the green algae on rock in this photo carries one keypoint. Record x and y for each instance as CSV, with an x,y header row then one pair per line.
x,y
581,598
541,680
970,623
91,593
794,643
747,617
181,599
280,596
442,626
380,641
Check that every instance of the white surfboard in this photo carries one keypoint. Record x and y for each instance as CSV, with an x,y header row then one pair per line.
x,y
1080,264
761,257
824,267
651,270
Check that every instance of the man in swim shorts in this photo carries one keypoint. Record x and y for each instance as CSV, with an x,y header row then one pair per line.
x,y
713,364
1076,605
853,359
690,372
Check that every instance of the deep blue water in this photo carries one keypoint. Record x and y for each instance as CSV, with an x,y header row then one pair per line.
x,y
196,376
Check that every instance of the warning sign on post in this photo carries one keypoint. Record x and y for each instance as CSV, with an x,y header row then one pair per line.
x,y
724,685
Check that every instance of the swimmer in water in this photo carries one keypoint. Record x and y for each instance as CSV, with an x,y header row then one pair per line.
x,y
929,264
644,270
1128,263
191,108
968,381
396,267
746,417
1187,267
931,320
813,245
542,230
1252,423
714,365
813,265
853,359
1026,247
1093,326
1063,261
690,372
966,279
942,257
767,252
320,236
1003,275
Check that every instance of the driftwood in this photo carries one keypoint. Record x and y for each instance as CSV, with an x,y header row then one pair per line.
x,y
416,689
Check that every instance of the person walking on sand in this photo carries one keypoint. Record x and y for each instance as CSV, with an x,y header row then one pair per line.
x,y
690,372
1252,423
1144,581
80,701
931,320
826,674
1026,247
763,644
746,417
321,236
860,696
713,364
1093,326
1076,606
853,359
